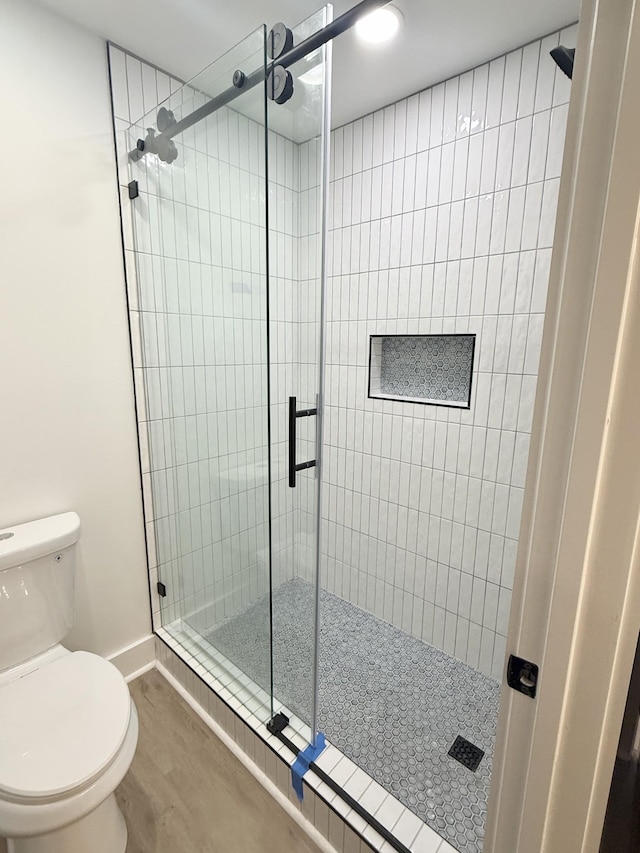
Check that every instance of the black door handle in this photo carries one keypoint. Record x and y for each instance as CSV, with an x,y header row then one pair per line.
x,y
294,414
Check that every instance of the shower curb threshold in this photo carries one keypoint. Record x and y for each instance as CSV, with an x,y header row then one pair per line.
x,y
221,697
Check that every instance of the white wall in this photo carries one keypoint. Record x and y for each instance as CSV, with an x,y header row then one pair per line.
x,y
67,425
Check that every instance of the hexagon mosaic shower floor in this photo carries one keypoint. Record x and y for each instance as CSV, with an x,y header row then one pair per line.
x,y
389,701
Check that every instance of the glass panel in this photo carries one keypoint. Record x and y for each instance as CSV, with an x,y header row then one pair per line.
x,y
200,232
296,171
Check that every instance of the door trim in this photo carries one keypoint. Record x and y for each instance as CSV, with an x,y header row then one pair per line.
x,y
576,602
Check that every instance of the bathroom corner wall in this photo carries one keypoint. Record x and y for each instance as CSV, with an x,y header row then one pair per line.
x,y
442,222
67,431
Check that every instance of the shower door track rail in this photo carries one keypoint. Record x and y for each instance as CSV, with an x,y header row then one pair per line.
x,y
275,728
341,24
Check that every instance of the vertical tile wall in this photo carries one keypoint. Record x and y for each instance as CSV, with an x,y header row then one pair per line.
x,y
136,88
307,348
294,328
443,215
197,287
197,290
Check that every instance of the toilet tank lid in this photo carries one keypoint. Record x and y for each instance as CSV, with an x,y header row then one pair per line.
x,y
24,542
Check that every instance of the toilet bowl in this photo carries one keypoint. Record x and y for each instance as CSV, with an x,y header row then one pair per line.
x,y
68,725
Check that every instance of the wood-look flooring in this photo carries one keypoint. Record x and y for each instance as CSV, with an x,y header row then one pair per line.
x,y
187,793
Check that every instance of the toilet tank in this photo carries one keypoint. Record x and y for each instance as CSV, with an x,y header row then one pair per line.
x,y
37,568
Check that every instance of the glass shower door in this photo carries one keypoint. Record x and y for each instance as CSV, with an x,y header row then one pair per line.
x,y
229,226
200,229
299,125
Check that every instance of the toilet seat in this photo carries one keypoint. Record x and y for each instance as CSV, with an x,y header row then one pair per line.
x,y
60,726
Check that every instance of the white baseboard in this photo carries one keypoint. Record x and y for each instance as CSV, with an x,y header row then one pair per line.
x,y
135,659
319,840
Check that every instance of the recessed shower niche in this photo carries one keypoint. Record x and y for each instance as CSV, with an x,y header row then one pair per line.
x,y
435,369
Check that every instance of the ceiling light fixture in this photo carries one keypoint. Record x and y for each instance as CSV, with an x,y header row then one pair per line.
x,y
379,26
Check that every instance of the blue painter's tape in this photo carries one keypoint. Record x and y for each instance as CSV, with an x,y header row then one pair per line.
x,y
302,762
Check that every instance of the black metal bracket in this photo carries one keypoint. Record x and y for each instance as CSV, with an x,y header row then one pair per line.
x,y
280,84
134,192
162,145
354,804
162,590
522,675
279,40
294,414
278,723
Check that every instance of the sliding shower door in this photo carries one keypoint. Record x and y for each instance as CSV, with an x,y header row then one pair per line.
x,y
200,228
227,188
297,168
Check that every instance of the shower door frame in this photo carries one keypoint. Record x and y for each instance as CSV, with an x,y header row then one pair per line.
x,y
576,605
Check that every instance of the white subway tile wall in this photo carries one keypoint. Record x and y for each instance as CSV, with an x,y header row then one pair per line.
x,y
442,220
197,294
307,296
442,213
196,273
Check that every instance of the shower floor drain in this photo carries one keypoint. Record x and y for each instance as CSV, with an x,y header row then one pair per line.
x,y
466,753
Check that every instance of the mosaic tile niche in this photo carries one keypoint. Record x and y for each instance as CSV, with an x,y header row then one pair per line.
x,y
433,369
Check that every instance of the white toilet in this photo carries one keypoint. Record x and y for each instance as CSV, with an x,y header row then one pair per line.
x,y
68,725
